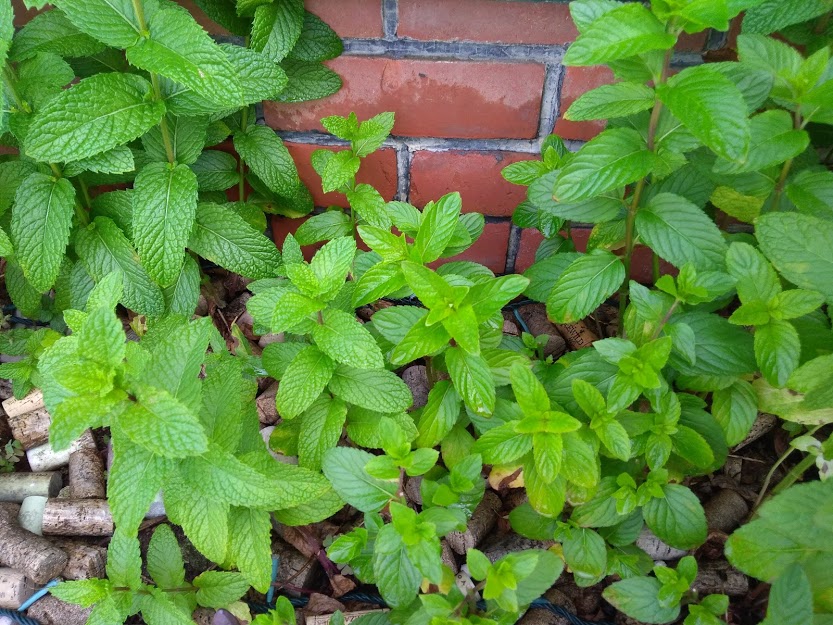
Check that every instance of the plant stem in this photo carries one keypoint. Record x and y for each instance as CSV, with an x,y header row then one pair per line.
x,y
85,193
789,476
655,265
637,195
785,170
795,473
665,319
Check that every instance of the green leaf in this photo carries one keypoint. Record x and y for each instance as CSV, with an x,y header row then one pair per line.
x,y
735,408
681,233
324,227
613,159
677,518
398,578
436,228
503,444
345,468
159,608
224,237
799,247
795,303
778,537
276,28
215,170
124,560
218,589
186,135
318,42
374,389
260,78
163,425
777,349
772,15
721,349
41,221
119,160
103,248
134,481
790,599
637,597
472,379
611,101
367,201
756,279
52,32
93,116
524,172
251,546
182,296
812,193
267,156
711,107
308,81
586,554
773,141
112,22
164,208
439,415
584,285
618,34
164,559
84,592
321,427
303,381
179,49
372,133
204,520
344,339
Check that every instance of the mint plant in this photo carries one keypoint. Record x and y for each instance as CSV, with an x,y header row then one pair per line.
x,y
155,91
170,599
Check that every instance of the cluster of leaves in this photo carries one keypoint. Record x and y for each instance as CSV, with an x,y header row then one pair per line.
x,y
155,99
691,369
170,600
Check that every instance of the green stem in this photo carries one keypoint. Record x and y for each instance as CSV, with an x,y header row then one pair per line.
x,y
774,468
665,319
795,473
430,373
655,265
56,170
785,170
633,208
85,193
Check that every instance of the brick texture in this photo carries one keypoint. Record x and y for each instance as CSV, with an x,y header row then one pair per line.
x,y
473,100
378,170
350,18
576,81
476,175
486,20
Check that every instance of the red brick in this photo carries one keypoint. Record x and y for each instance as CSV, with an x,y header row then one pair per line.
x,y
577,81
486,20
22,14
202,19
641,265
489,250
350,18
476,175
692,43
378,170
461,99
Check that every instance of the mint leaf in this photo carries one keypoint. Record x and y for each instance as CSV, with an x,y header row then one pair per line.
x,y
250,545
103,248
472,379
159,609
119,160
638,598
182,296
721,349
266,155
93,116
798,246
41,221
112,22
187,136
308,81
83,592
163,425
677,518
772,15
204,520
129,496
756,279
613,159
584,285
303,381
777,350
437,226
164,559
52,32
681,233
179,49
735,408
773,141
711,107
439,415
164,207
217,589
215,170
374,389
321,427
344,467
344,339
223,237
277,27
317,42
790,599
611,101
618,34
260,78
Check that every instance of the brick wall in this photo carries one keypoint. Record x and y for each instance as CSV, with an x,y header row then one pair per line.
x,y
475,85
